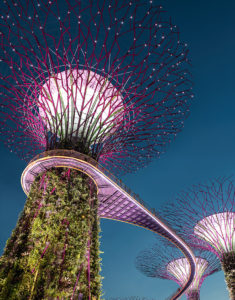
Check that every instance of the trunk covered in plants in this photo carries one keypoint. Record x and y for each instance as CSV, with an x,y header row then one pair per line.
x,y
193,295
53,253
228,266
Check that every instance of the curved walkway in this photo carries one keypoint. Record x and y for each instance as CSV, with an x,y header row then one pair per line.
x,y
116,202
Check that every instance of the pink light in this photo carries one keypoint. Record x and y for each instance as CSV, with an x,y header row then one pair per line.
x,y
80,103
180,269
218,230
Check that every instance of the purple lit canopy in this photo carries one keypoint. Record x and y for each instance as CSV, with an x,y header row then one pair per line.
x,y
106,78
205,216
166,262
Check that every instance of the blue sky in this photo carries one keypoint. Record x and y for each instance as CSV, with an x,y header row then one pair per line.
x,y
203,150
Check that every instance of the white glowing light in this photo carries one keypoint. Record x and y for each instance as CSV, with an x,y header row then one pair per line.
x,y
80,103
218,230
180,269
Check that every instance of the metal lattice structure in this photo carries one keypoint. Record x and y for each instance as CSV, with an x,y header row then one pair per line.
x,y
205,216
114,69
163,261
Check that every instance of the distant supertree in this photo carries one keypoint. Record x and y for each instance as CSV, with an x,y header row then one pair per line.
x,y
164,261
205,216
88,82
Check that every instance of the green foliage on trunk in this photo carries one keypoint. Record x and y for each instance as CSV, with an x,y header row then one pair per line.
x,y
228,266
53,253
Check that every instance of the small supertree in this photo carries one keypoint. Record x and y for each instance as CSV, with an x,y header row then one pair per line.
x,y
164,261
107,79
205,216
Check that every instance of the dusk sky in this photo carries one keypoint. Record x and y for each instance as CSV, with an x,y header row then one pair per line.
x,y
205,149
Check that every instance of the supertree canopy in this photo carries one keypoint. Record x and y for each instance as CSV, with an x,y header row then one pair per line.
x,y
105,81
205,216
107,78
166,262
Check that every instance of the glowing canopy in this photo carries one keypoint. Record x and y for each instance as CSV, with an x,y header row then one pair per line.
x,y
80,103
218,230
180,269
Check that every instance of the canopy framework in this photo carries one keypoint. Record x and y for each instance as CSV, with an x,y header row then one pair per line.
x,y
130,46
205,216
166,262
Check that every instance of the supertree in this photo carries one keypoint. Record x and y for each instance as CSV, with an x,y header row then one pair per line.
x,y
166,262
205,216
84,85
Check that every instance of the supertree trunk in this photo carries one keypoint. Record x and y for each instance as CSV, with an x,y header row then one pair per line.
x,y
53,253
193,295
228,266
